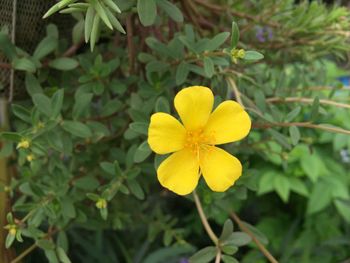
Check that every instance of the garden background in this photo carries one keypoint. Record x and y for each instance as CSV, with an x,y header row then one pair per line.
x,y
79,81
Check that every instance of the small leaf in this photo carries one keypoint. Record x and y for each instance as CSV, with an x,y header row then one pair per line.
x,y
182,72
282,187
228,259
208,67
253,56
315,109
162,105
136,189
43,103
238,239
147,11
320,198
64,63
57,102
234,35
171,10
77,128
226,230
140,127
24,64
45,47
32,85
9,240
204,255
217,41
294,134
293,114
62,256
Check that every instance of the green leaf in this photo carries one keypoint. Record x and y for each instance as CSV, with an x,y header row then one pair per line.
x,y
229,249
238,239
77,128
320,198
45,47
45,244
111,107
312,166
21,112
9,240
112,5
43,104
266,182
62,256
294,134
7,48
95,31
64,63
142,152
315,109
24,64
115,22
229,259
32,85
182,72
253,56
136,189
51,256
89,21
100,9
298,186
217,41
147,10
257,233
171,10
139,127
343,209
280,138
204,255
208,67
226,230
293,114
162,105
11,136
282,187
57,102
234,35
82,102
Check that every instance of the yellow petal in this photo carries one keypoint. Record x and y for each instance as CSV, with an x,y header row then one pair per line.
x,y
228,123
219,168
165,134
194,105
179,172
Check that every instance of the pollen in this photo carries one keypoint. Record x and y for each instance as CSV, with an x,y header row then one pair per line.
x,y
196,140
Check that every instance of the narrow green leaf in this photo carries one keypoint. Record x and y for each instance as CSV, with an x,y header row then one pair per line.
x,y
208,67
140,127
9,240
62,256
171,10
100,10
21,112
162,105
217,41
57,102
320,198
226,230
253,56
89,21
45,47
136,189
81,104
64,63
32,85
43,104
315,109
234,35
95,31
115,22
204,255
112,5
293,114
181,73
282,187
77,128
24,64
294,134
147,10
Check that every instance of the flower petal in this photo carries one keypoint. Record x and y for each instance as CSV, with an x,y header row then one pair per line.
x,y
219,168
194,105
179,172
228,123
165,134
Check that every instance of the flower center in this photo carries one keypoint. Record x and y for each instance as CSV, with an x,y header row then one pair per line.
x,y
195,140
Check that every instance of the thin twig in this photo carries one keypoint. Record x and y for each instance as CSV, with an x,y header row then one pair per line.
x,y
235,90
24,253
204,220
218,256
261,247
302,124
308,100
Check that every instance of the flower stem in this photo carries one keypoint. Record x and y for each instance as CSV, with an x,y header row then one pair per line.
x,y
24,253
218,256
204,220
261,247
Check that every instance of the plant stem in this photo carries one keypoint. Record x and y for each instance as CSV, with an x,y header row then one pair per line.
x,y
204,220
218,256
24,253
308,100
261,247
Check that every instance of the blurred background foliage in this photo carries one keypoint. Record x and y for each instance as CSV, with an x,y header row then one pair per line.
x,y
80,184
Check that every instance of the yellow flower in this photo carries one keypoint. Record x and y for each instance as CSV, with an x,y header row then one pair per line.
x,y
193,141
30,157
23,144
101,203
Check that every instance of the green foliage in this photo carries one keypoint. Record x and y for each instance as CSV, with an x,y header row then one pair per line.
x,y
86,188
